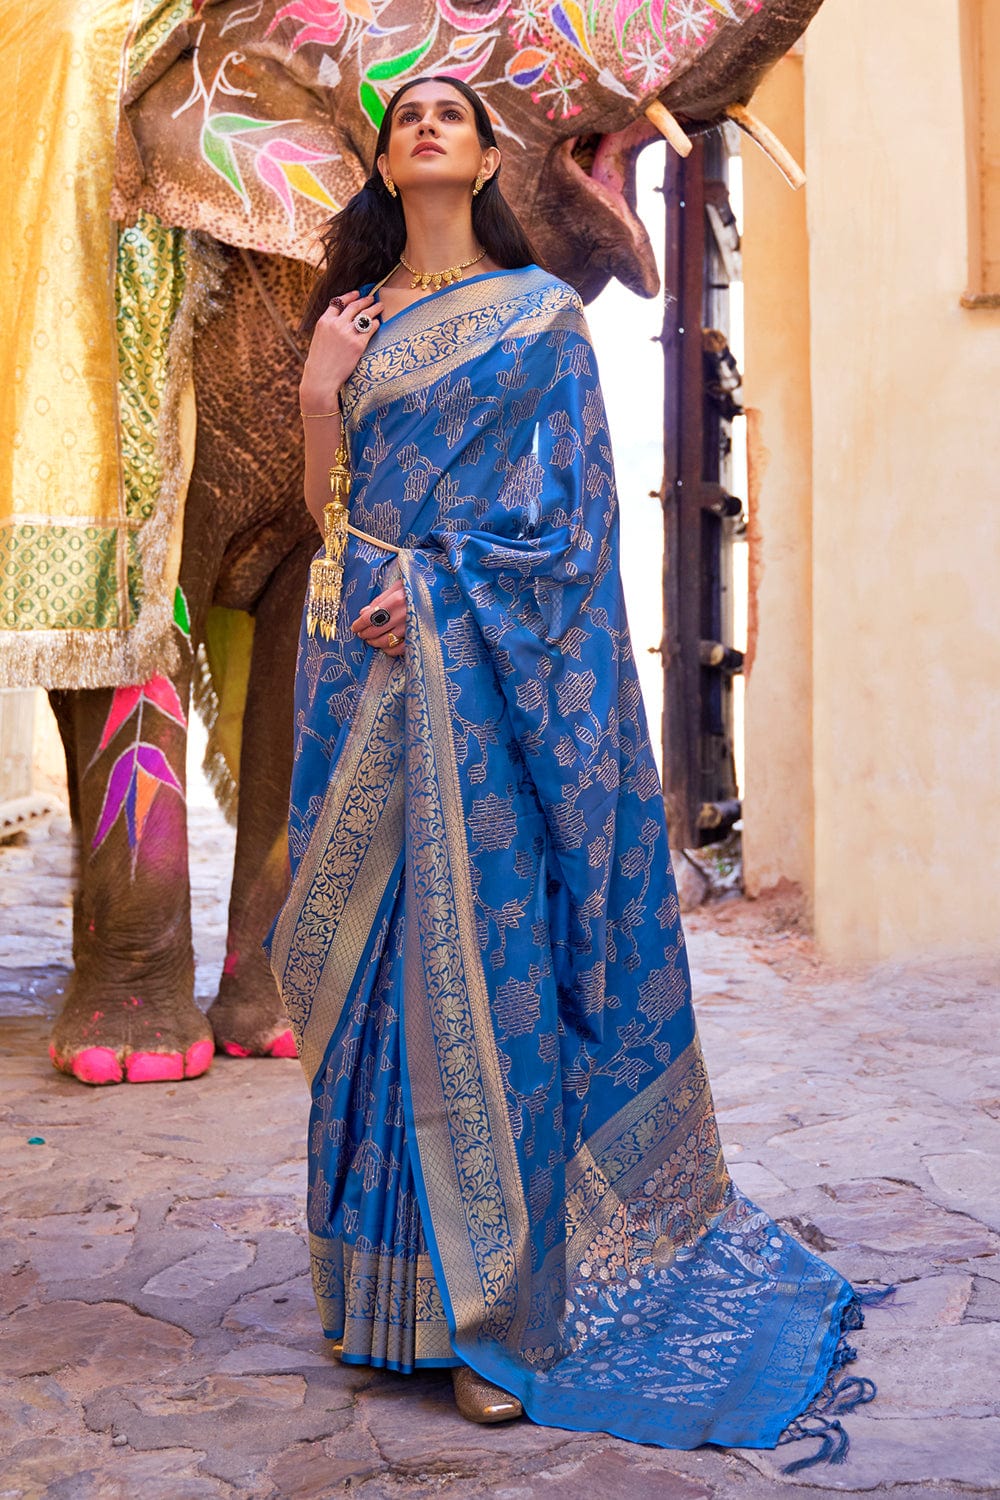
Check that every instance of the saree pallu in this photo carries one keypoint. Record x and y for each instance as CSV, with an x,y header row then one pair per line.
x,y
514,1160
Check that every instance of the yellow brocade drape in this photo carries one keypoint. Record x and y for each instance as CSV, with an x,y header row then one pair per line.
x,y
96,422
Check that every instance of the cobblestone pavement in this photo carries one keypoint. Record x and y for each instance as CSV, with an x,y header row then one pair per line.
x,y
159,1338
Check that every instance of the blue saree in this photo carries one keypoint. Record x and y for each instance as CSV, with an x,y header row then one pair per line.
x,y
513,1155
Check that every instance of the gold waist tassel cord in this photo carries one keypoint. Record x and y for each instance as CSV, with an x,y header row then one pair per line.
x,y
326,573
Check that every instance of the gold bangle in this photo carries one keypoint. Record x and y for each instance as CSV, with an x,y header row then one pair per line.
x,y
307,414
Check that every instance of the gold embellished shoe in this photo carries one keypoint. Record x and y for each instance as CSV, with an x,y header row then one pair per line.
x,y
479,1401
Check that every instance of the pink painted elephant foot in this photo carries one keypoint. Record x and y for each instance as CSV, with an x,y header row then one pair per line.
x,y
247,1017
131,1041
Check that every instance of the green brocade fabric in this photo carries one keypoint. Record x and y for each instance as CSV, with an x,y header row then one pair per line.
x,y
97,424
91,577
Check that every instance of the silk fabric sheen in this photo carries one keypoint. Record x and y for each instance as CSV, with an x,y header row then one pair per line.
x,y
514,1159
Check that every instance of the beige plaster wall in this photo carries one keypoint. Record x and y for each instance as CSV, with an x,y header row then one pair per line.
x,y
778,797
906,495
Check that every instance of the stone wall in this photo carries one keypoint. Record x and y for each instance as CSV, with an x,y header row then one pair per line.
x,y
897,736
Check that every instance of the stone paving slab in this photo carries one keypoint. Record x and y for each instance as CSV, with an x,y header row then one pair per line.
x,y
157,1333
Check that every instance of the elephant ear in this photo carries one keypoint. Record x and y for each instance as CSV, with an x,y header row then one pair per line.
x,y
225,130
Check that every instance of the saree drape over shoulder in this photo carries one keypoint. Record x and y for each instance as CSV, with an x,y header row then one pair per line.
x,y
514,1159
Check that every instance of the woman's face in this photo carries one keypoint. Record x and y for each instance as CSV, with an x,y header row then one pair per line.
x,y
433,141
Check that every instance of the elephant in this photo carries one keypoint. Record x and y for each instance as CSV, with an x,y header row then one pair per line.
x,y
248,124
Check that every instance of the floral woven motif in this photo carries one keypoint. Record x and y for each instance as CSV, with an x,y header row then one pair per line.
x,y
482,951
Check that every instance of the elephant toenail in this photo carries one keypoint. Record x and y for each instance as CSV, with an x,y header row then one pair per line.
x,y
283,1046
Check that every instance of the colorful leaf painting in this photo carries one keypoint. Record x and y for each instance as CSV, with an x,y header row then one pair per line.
x,y
142,768
473,19
303,181
136,776
623,13
227,124
271,175
372,105
467,71
152,759
282,166
653,38
528,66
322,21
219,154
182,616
115,793
144,790
393,67
161,691
569,20
123,704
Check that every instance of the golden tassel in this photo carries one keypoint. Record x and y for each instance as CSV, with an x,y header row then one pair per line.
x,y
326,573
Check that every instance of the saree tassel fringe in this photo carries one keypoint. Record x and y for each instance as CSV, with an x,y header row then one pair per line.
x,y
874,1296
837,1397
326,578
833,1449
326,573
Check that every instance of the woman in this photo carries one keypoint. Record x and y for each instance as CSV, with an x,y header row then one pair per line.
x,y
514,1163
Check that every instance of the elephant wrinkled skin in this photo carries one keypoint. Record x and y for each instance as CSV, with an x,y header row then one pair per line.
x,y
252,122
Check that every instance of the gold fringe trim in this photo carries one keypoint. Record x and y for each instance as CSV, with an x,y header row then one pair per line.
x,y
116,658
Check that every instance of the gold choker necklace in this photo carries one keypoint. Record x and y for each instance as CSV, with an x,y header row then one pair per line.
x,y
435,280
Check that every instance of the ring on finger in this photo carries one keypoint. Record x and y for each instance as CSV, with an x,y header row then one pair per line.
x,y
380,616
362,322
338,304
393,639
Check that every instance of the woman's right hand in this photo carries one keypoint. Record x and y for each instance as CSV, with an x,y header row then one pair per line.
x,y
334,351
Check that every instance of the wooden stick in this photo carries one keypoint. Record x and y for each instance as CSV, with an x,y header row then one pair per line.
x,y
669,127
768,143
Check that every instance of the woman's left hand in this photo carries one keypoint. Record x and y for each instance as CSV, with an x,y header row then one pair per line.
x,y
388,635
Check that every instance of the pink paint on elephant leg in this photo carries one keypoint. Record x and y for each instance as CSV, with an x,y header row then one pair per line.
x,y
96,1065
282,1046
198,1059
165,1067
154,1067
233,1049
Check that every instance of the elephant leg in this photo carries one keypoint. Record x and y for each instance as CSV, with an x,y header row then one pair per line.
x,y
130,1014
247,1015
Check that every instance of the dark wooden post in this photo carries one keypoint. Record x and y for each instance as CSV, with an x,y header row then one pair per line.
x,y
699,514
682,448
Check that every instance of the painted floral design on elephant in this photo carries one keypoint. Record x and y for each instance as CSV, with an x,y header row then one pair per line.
x,y
282,164
545,48
142,768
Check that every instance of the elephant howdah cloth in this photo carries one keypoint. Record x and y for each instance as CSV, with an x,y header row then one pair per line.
x,y
97,414
513,1154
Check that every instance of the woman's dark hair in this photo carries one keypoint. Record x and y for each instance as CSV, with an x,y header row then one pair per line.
x,y
365,240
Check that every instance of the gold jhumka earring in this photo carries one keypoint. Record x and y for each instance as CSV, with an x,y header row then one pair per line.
x,y
477,186
389,185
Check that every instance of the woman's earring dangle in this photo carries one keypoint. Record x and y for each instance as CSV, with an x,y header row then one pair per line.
x,y
390,186
477,186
